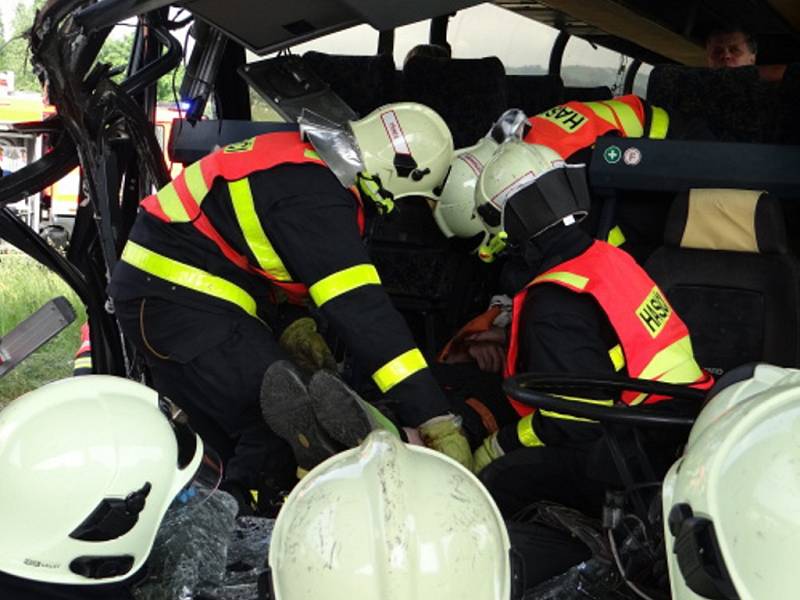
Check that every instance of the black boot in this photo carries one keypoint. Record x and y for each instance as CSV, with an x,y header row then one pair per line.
x,y
340,410
287,409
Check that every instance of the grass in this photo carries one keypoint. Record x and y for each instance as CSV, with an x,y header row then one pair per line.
x,y
25,286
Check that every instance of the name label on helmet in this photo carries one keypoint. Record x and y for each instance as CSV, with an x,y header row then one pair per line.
x,y
472,162
395,132
500,198
32,562
568,119
654,312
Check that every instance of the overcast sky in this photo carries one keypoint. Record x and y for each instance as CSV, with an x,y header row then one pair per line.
x,y
8,8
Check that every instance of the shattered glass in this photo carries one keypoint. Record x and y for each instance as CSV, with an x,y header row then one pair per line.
x,y
207,554
594,579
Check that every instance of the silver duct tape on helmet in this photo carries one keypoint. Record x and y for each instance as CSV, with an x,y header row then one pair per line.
x,y
334,143
512,124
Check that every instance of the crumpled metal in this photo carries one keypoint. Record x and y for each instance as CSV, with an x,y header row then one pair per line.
x,y
207,554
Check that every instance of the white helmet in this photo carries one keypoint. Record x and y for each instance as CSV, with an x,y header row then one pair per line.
x,y
406,149
731,510
389,520
89,466
454,211
545,191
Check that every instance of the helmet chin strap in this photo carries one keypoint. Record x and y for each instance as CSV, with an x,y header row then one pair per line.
x,y
369,186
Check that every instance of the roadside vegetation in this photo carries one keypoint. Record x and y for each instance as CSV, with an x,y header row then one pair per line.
x,y
25,286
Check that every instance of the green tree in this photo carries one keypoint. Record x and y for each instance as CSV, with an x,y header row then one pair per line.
x,y
117,51
15,56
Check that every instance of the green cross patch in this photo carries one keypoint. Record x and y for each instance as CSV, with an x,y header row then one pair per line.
x,y
612,154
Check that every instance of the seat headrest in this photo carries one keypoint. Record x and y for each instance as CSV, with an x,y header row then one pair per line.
x,y
721,219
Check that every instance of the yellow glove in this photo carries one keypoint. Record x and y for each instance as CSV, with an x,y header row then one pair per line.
x,y
306,347
487,452
445,435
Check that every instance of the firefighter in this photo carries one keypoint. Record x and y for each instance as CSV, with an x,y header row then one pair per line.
x,y
571,129
90,468
588,308
258,232
574,126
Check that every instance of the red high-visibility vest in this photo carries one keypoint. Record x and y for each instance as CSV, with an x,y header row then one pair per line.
x,y
181,200
655,341
572,126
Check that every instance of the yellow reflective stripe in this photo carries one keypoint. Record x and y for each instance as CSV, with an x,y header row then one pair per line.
x,y
187,276
343,281
254,235
558,415
615,237
195,182
398,369
659,124
631,124
84,362
578,281
525,433
311,154
171,205
617,357
603,111
673,364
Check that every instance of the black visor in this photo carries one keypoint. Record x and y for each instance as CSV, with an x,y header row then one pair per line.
x,y
553,197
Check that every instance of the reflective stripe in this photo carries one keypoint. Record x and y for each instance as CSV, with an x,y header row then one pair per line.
x,y
312,154
558,415
620,115
254,234
673,364
195,183
604,112
398,369
344,281
615,237
187,276
631,124
659,124
171,204
576,281
525,433
84,362
617,357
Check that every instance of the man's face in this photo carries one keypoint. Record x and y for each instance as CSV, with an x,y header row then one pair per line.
x,y
729,50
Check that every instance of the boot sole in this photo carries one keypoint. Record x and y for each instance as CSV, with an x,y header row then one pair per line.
x,y
287,409
339,409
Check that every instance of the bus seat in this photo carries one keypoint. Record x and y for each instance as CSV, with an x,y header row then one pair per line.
x,y
363,82
587,94
469,93
788,125
736,105
434,283
534,93
726,268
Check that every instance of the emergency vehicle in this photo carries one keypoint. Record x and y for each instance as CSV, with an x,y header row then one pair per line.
x,y
259,63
